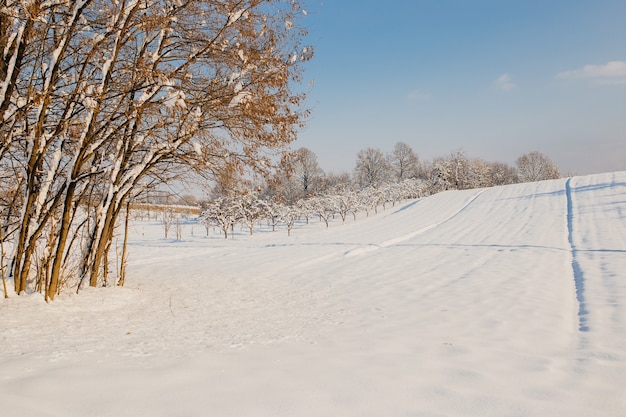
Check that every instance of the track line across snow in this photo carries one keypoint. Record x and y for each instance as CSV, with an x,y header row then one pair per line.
x,y
405,237
579,281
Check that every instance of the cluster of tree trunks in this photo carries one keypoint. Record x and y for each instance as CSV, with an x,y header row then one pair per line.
x,y
99,100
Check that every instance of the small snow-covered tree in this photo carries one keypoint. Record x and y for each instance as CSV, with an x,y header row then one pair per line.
x,y
272,212
220,212
346,202
451,173
324,207
412,188
289,215
168,220
440,177
248,209
371,198
306,207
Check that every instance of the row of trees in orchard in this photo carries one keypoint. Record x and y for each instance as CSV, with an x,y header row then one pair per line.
x,y
250,208
100,99
378,180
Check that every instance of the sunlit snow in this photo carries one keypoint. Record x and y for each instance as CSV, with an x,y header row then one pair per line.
x,y
506,301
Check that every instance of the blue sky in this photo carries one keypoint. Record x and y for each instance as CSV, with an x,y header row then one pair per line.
x,y
495,78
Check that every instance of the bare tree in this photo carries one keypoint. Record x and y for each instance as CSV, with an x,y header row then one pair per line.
x,y
535,166
299,176
502,174
332,181
168,220
372,167
307,171
404,161
282,187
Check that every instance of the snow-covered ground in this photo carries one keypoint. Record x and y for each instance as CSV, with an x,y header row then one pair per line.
x,y
508,301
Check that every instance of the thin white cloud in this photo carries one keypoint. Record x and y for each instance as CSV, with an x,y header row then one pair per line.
x,y
504,83
613,72
416,95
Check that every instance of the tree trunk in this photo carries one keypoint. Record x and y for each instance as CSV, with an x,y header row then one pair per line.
x,y
61,242
101,247
20,245
4,282
122,278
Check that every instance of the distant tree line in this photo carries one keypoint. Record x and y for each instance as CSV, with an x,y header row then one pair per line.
x,y
378,180
374,168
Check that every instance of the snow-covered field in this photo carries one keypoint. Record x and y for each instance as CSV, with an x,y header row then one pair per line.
x,y
508,301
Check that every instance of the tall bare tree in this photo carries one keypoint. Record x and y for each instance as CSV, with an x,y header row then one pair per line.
x,y
307,171
404,161
372,168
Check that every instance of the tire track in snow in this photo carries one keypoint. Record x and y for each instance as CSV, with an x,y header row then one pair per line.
x,y
167,258
404,238
579,279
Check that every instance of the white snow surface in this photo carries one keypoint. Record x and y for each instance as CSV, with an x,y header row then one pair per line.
x,y
507,301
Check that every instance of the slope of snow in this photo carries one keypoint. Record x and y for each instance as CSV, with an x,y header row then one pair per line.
x,y
508,301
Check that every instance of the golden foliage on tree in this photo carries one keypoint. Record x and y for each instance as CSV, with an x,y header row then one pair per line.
x,y
95,96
